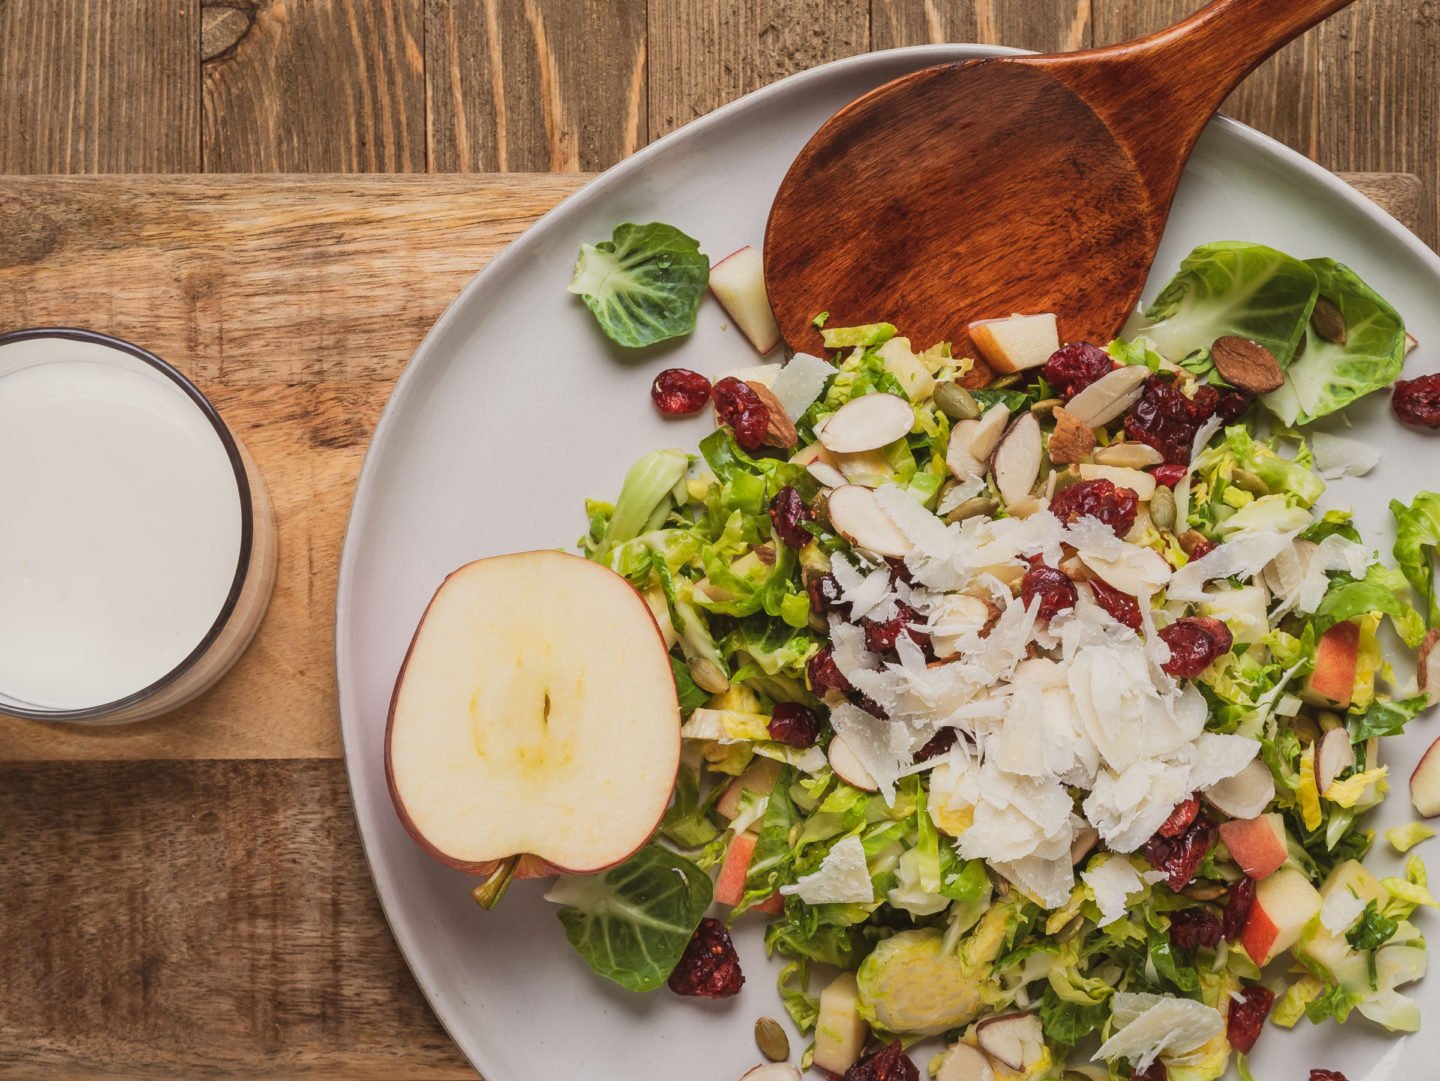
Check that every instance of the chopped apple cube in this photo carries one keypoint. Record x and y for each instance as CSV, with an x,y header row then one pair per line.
x,y
840,1031
1425,783
738,282
1258,844
1016,343
1284,903
1337,655
730,884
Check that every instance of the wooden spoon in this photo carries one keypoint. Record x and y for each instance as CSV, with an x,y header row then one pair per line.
x,y
1015,184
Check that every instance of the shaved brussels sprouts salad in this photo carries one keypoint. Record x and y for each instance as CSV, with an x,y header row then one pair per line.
x,y
1029,697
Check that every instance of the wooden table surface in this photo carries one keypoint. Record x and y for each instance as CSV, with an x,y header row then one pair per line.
x,y
187,898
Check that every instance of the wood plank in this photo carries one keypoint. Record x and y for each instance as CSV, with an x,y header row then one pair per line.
x,y
1042,25
1356,93
704,53
321,86
294,302
199,919
534,84
99,87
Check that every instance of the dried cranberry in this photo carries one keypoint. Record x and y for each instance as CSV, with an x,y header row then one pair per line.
x,y
899,570
1192,928
1327,1075
824,674
1196,642
1122,607
1100,498
1167,420
1170,475
741,408
882,634
1232,404
1051,588
938,744
709,967
1180,818
890,1063
1199,547
793,724
1247,1016
679,392
1074,367
825,594
1417,401
790,513
1154,1072
1179,857
1237,908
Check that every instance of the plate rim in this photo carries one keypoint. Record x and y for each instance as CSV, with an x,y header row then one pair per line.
x,y
401,929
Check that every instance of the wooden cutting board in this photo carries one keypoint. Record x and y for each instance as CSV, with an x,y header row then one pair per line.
x,y
170,908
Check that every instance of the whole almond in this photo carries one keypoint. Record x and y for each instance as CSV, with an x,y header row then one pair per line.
x,y
1328,322
779,432
1247,365
1072,440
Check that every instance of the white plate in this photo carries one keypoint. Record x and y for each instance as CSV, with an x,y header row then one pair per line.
x,y
515,409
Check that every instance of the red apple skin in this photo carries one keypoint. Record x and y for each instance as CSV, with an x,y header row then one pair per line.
x,y
774,905
1254,844
730,885
1287,894
529,865
1425,783
1259,935
1337,655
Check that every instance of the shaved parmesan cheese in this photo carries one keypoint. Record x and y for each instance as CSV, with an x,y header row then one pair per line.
x,y
1336,456
1220,757
841,879
764,374
1113,881
1049,882
1340,910
800,382
869,738
1242,556
1150,1026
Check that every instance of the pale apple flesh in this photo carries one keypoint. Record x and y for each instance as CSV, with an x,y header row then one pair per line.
x,y
1016,343
535,716
738,282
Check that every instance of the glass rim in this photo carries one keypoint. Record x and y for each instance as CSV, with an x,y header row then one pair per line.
x,y
247,526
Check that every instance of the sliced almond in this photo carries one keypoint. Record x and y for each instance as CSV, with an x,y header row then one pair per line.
x,y
772,1071
960,457
1247,794
952,618
1016,462
1016,1040
1138,481
1247,365
1328,321
1085,840
827,475
1129,455
1333,757
779,431
868,422
1138,572
856,515
1110,395
965,1063
988,431
1071,441
1428,671
1411,343
847,765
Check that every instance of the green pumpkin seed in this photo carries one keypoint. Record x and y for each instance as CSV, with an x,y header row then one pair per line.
x,y
973,508
1247,481
956,402
771,1039
1045,406
1162,508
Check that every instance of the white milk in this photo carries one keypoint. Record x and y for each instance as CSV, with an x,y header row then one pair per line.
x,y
120,524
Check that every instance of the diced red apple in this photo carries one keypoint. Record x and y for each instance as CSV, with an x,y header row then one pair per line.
x,y
1258,844
1352,877
730,884
1016,343
1333,756
773,905
1425,783
1284,903
738,282
1428,669
840,1031
758,780
1337,655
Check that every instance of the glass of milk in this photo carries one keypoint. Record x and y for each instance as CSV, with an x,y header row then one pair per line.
x,y
137,543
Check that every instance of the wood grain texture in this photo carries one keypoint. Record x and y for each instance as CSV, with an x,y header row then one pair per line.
x,y
294,302
523,85
1354,92
704,53
1042,25
94,86
197,920
314,86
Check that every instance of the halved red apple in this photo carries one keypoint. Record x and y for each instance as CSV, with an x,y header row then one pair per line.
x,y
535,726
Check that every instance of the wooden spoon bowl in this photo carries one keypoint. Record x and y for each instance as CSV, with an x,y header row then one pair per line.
x,y
1016,184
